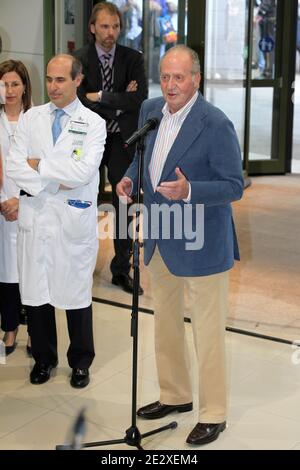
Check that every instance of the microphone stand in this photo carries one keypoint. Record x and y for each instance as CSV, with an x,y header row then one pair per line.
x,y
133,437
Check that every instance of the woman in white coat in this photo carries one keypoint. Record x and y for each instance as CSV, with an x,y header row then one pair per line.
x,y
17,100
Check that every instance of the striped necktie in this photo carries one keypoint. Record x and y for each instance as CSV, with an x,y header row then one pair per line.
x,y
107,78
107,73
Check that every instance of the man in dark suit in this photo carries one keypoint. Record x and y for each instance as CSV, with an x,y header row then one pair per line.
x,y
192,162
114,86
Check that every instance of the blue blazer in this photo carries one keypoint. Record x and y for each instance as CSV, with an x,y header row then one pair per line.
x,y
207,151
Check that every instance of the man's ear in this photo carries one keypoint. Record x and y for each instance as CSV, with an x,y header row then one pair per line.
x,y
197,80
79,79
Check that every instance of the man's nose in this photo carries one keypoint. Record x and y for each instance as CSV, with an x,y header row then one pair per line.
x,y
171,82
53,85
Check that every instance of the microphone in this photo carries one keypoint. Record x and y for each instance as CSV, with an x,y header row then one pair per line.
x,y
76,434
148,126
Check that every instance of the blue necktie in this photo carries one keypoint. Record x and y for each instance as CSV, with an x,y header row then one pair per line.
x,y
56,126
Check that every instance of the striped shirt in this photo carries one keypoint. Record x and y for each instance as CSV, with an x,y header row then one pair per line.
x,y
169,128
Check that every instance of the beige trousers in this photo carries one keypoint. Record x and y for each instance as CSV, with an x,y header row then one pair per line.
x,y
208,299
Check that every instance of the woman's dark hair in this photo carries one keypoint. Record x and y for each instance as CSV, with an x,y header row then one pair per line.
x,y
18,67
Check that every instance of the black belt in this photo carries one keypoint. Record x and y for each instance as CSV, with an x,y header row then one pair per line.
x,y
23,193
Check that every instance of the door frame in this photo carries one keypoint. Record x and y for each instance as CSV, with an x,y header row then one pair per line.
x,y
283,108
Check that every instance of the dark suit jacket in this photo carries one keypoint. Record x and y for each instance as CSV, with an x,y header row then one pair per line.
x,y
207,151
128,65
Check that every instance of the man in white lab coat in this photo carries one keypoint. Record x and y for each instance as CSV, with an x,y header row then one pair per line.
x,y
54,160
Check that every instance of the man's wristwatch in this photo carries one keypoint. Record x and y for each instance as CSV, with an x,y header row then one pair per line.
x,y
100,94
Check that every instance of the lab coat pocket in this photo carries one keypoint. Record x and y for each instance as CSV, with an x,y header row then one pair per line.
x,y
26,214
78,223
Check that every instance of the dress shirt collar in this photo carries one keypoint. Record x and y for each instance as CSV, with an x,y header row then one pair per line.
x,y
69,109
101,53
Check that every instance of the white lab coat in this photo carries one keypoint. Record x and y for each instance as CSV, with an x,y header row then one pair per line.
x,y
8,230
57,243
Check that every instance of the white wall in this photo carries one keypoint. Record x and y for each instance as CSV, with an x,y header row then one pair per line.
x,y
21,29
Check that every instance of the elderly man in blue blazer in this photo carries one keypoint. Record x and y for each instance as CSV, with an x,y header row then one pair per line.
x,y
192,172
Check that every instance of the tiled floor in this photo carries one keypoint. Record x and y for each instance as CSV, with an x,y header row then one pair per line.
x,y
263,376
263,385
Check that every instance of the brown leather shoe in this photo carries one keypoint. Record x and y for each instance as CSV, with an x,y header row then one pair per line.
x,y
204,433
158,410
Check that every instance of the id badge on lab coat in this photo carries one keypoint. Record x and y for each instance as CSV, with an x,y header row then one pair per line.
x,y
77,146
78,129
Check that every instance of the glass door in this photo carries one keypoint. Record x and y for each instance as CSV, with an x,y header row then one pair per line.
x,y
245,49
225,59
271,75
266,85
153,26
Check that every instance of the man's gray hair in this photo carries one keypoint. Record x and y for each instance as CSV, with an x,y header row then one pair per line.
x,y
196,68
